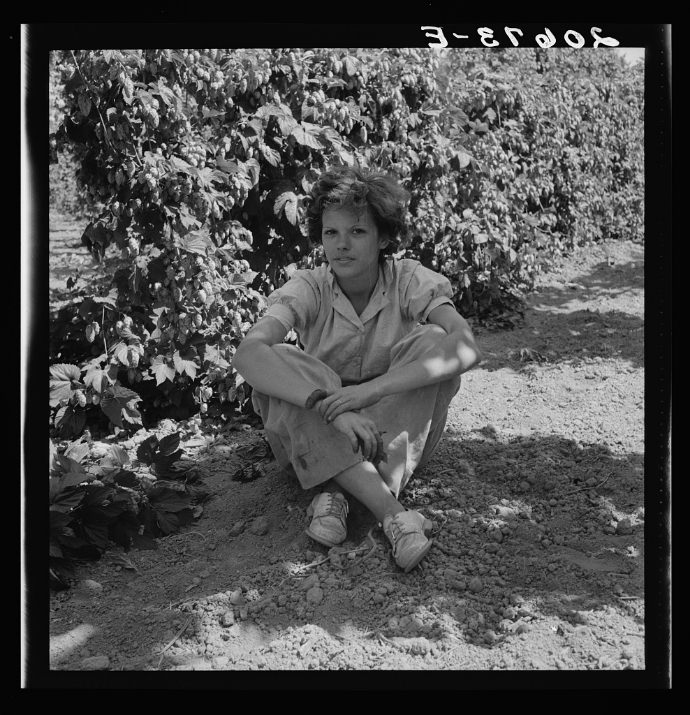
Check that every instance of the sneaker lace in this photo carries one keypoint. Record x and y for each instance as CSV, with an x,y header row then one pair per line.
x,y
398,530
335,507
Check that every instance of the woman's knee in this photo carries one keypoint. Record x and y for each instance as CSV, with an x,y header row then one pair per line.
x,y
422,339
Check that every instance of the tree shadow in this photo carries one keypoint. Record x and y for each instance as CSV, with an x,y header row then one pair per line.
x,y
561,506
557,330
571,517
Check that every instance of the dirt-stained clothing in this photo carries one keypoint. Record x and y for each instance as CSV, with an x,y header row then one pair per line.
x,y
342,348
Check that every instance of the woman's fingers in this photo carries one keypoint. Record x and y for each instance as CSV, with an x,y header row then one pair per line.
x,y
369,442
354,440
343,400
363,444
335,409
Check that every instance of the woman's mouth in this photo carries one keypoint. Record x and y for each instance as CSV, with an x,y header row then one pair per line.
x,y
344,259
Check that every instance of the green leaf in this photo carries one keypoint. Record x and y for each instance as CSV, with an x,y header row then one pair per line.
x,y
72,479
58,392
167,522
97,379
347,157
168,499
184,364
241,279
287,123
77,450
256,125
120,351
118,456
213,357
62,375
268,110
97,534
461,160
287,203
65,501
59,524
270,155
146,452
186,219
185,516
165,93
161,370
169,444
128,90
351,65
84,104
69,421
305,138
252,169
229,167
122,400
210,113
126,478
53,488
126,395
122,532
132,414
112,409
194,242
66,464
179,164
220,176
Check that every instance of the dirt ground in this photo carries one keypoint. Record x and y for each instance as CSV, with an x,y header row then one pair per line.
x,y
536,493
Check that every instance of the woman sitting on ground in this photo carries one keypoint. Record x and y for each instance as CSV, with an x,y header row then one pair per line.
x,y
364,403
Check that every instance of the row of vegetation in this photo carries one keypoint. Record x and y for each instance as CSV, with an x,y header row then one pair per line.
x,y
195,165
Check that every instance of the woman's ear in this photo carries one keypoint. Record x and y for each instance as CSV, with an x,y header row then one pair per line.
x,y
383,241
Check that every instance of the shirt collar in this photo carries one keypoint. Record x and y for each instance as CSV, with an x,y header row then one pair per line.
x,y
379,298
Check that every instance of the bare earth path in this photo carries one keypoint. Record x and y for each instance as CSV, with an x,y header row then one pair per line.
x,y
536,492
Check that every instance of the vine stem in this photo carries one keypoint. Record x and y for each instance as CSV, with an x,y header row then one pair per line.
x,y
179,633
94,98
584,489
105,344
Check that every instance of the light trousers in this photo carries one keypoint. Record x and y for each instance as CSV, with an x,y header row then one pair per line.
x,y
411,422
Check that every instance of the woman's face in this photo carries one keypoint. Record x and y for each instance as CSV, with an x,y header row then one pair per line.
x,y
351,242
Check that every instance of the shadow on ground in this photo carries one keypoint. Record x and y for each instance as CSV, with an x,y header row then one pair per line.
x,y
562,554
556,330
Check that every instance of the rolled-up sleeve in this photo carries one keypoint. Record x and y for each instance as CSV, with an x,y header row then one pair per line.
x,y
425,291
294,304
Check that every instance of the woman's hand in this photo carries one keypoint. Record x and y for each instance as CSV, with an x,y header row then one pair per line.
x,y
362,432
346,399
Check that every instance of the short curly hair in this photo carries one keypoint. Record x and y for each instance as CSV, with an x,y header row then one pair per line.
x,y
356,188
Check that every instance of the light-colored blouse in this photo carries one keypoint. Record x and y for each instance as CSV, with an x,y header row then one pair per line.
x,y
357,347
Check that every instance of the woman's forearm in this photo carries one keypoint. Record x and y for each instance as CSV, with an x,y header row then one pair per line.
x,y
452,356
264,369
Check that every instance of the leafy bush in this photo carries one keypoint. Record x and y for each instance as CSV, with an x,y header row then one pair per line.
x,y
90,508
202,160
65,195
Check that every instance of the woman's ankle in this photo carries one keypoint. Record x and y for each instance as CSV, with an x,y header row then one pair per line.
x,y
331,487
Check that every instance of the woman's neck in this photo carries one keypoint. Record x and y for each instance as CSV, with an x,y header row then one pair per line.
x,y
360,291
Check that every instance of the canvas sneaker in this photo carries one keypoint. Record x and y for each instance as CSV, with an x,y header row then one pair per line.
x,y
328,512
407,532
